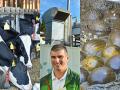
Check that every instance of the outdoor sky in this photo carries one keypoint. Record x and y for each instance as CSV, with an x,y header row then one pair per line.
x,y
74,6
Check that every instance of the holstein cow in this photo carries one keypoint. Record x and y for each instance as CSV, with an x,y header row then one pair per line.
x,y
18,74
20,77
21,41
24,43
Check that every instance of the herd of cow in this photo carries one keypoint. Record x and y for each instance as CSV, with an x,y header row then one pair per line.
x,y
14,64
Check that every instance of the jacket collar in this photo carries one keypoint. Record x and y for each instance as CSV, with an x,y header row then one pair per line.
x,y
68,77
67,81
63,77
49,82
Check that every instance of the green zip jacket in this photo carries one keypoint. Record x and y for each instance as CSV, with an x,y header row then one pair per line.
x,y
71,83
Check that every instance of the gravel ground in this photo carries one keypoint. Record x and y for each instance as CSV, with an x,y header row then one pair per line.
x,y
34,73
114,85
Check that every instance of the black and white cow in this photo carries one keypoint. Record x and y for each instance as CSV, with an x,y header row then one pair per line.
x,y
21,41
18,75
23,45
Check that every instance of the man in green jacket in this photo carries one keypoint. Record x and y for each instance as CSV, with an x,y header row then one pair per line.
x,y
61,77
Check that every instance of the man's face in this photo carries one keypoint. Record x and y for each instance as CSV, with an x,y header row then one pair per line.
x,y
59,60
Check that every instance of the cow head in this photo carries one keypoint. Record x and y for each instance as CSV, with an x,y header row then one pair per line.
x,y
20,77
24,48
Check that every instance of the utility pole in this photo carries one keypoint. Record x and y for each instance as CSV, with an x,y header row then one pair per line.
x,y
68,5
69,29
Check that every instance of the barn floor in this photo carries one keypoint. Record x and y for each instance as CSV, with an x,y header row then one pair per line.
x,y
34,73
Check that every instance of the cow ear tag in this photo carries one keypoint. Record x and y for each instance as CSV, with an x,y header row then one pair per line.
x,y
37,18
12,46
37,47
6,26
13,63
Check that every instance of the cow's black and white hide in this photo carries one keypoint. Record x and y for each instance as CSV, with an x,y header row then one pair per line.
x,y
8,35
6,56
23,45
21,41
19,75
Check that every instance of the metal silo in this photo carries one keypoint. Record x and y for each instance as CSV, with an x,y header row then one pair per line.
x,y
57,29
